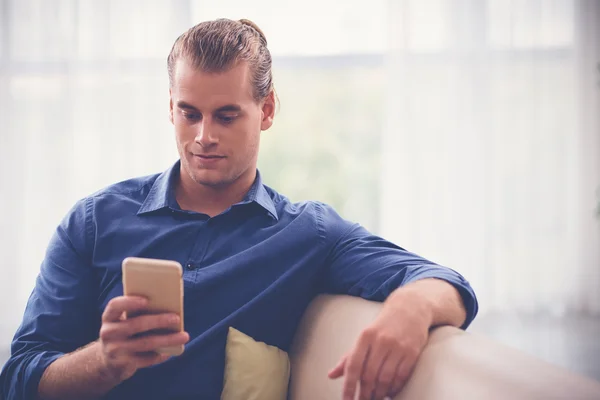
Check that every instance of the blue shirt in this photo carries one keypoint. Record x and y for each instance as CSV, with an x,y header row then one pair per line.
x,y
255,267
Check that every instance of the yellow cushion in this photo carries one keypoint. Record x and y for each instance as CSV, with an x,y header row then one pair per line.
x,y
254,370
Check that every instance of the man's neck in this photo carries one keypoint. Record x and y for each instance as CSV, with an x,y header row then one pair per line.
x,y
210,200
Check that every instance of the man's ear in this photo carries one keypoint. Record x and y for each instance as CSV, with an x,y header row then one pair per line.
x,y
268,111
171,106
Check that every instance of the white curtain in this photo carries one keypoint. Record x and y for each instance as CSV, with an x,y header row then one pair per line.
x,y
84,103
466,131
491,150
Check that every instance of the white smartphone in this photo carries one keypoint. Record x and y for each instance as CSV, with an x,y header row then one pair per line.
x,y
161,282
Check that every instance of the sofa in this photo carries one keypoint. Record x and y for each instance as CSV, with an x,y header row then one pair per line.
x,y
454,364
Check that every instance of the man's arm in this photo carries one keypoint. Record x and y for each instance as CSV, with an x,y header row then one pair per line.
x,y
61,313
61,316
81,373
368,266
95,369
443,304
417,294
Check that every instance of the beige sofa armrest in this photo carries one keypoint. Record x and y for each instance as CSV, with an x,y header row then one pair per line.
x,y
454,364
328,329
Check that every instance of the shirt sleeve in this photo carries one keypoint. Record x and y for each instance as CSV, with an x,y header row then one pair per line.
x,y
60,315
365,265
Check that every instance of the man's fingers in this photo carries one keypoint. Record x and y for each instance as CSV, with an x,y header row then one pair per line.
x,y
354,365
377,358
141,352
118,305
136,325
352,375
338,370
402,374
154,342
144,323
386,377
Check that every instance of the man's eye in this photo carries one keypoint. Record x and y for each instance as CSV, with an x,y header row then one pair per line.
x,y
227,119
190,116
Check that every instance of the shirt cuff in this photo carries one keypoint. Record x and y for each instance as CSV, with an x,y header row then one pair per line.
x,y
461,284
24,375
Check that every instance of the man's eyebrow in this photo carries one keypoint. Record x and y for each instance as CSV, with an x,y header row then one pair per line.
x,y
226,108
230,108
184,105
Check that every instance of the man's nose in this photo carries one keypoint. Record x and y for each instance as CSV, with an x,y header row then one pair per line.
x,y
205,135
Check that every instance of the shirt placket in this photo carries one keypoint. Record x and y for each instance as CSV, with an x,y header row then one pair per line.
x,y
199,251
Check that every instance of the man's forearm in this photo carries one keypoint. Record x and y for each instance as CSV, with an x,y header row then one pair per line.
x,y
440,299
78,375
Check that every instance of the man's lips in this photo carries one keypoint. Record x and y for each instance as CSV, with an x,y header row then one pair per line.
x,y
208,160
208,156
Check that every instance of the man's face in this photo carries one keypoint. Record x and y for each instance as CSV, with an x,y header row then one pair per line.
x,y
217,123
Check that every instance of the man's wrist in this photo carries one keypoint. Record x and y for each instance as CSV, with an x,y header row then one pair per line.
x,y
439,300
80,374
104,371
414,298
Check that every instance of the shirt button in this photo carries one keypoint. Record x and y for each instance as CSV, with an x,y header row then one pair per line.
x,y
189,266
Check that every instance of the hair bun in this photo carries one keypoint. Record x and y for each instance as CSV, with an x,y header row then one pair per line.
x,y
252,25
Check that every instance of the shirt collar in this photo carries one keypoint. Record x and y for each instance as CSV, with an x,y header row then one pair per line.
x,y
162,193
258,194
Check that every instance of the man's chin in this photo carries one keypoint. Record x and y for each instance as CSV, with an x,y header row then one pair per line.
x,y
210,178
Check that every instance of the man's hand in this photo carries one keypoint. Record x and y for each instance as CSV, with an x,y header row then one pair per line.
x,y
95,369
123,351
386,352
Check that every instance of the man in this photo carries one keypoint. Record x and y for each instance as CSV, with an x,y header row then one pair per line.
x,y
253,260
